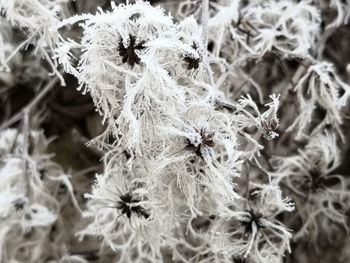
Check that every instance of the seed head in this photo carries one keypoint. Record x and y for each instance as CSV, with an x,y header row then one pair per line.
x,y
127,206
128,53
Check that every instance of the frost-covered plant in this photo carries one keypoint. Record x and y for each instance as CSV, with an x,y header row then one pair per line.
x,y
341,7
38,20
251,228
287,28
320,88
266,122
31,197
117,69
212,116
284,26
310,175
121,207
174,156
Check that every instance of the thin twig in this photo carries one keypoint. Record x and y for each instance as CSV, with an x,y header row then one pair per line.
x,y
31,105
204,21
25,147
24,115
248,181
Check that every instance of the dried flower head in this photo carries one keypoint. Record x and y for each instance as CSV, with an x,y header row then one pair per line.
x,y
129,205
193,62
252,218
128,53
200,141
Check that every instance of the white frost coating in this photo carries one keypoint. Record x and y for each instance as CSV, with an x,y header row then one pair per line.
x,y
175,153
191,130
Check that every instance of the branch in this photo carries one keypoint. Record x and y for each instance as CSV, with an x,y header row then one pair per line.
x,y
31,105
204,21
25,147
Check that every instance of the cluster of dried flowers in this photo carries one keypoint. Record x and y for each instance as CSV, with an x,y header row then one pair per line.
x,y
222,134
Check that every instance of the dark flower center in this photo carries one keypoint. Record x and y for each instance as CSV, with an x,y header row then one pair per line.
x,y
206,141
128,207
19,204
254,218
128,53
193,63
315,180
